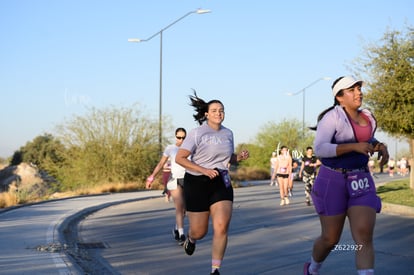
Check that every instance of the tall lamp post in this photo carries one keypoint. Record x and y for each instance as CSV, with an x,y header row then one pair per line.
x,y
137,40
303,99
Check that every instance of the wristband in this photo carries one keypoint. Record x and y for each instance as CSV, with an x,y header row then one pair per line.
x,y
373,142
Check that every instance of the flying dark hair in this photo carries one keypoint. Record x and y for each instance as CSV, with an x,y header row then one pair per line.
x,y
201,107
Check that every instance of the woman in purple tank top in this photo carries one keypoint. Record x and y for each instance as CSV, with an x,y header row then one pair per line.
x,y
344,187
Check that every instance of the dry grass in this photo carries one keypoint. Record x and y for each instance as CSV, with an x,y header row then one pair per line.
x,y
111,188
248,173
8,199
12,198
107,188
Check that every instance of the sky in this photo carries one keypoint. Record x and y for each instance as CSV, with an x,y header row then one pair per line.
x,y
59,58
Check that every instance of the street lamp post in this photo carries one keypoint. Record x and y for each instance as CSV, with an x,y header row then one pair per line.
x,y
303,99
137,40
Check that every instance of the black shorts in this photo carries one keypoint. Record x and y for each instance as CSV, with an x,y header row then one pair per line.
x,y
285,176
180,182
200,192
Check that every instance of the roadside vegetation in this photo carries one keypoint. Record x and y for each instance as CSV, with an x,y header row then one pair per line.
x,y
13,198
397,192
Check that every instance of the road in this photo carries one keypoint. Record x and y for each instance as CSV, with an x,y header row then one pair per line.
x,y
31,241
134,237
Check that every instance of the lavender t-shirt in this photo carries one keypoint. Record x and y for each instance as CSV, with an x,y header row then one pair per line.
x,y
209,148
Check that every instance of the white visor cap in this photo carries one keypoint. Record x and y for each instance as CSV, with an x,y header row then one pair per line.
x,y
345,83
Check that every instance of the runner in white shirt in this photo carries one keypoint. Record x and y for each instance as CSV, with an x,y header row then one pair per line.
x,y
175,183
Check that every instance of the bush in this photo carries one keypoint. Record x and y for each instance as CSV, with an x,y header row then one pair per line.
x,y
249,173
108,146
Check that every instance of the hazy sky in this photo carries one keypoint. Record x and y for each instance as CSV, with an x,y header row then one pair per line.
x,y
60,57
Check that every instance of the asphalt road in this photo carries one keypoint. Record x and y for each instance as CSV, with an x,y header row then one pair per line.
x,y
31,238
130,233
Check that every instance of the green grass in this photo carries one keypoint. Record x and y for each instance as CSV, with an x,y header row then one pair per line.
x,y
397,192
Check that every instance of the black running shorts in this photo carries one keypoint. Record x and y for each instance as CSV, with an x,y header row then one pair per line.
x,y
284,176
200,192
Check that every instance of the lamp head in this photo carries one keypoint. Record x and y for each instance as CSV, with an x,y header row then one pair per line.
x,y
134,40
201,11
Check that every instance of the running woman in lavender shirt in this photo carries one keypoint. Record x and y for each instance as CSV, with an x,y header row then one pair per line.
x,y
208,191
344,187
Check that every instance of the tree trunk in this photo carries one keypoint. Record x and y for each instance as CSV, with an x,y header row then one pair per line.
x,y
411,160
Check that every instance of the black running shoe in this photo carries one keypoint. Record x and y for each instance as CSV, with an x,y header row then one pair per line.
x,y
181,240
216,272
189,247
176,235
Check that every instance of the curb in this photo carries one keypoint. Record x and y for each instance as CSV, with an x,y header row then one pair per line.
x,y
396,209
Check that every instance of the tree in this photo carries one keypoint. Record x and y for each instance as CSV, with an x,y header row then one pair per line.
x,y
388,69
44,151
17,158
109,145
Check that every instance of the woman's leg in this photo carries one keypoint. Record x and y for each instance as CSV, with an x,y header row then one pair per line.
x,y
290,183
198,224
221,215
331,230
284,190
282,187
362,223
282,193
179,206
165,178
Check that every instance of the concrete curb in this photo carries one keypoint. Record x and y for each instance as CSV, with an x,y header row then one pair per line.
x,y
396,209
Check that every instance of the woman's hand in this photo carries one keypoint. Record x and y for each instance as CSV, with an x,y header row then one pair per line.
x,y
150,179
383,155
363,148
243,155
211,173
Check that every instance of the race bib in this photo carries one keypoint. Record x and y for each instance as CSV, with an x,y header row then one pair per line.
x,y
359,183
225,177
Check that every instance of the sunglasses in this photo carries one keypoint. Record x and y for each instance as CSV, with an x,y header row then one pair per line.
x,y
179,137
